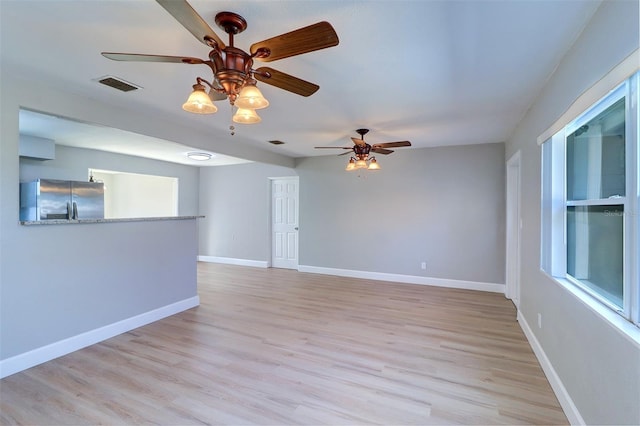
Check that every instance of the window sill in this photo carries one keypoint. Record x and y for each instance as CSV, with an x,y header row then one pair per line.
x,y
626,328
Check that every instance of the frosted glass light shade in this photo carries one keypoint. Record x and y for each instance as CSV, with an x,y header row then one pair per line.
x,y
351,166
373,165
250,97
246,116
199,102
361,164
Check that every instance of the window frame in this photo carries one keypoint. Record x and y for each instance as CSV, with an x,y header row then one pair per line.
x,y
622,91
554,203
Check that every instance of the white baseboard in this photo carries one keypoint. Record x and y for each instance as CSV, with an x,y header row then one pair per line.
x,y
54,350
232,261
570,409
409,279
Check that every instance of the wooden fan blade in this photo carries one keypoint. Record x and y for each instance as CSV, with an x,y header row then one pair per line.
x,y
136,57
392,144
358,141
285,81
381,151
333,147
304,40
345,153
189,18
216,96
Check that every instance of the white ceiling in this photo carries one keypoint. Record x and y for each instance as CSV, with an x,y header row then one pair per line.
x,y
89,135
432,72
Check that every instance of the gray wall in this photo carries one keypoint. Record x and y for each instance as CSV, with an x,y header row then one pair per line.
x,y
73,163
59,281
63,280
598,366
444,206
235,201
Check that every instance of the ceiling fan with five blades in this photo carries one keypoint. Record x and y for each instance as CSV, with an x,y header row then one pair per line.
x,y
234,77
361,150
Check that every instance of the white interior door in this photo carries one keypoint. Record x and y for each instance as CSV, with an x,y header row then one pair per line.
x,y
284,223
514,224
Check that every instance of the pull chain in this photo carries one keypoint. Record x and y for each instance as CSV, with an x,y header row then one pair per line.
x,y
232,127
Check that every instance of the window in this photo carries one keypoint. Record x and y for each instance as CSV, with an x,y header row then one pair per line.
x,y
590,220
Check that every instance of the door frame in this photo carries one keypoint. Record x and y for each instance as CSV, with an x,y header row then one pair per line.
x,y
270,217
513,226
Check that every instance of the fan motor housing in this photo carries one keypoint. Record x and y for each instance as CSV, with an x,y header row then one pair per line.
x,y
236,66
362,150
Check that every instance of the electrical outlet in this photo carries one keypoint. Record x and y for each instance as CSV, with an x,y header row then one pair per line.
x,y
539,320
423,265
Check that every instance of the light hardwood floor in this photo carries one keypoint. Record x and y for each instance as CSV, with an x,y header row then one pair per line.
x,y
273,346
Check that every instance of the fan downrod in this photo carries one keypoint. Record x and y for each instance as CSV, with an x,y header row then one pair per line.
x,y
362,132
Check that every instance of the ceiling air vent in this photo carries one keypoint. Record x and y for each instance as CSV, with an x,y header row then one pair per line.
x,y
276,142
117,83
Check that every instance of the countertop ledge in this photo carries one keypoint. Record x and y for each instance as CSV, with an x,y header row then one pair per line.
x,y
83,221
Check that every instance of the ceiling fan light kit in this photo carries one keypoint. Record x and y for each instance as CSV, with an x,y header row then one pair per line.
x,y
234,77
362,163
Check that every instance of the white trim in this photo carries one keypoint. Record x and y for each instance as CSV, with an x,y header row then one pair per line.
x,y
232,261
408,279
567,404
284,177
611,80
57,349
632,222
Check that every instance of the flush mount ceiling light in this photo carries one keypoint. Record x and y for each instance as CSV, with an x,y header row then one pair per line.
x,y
361,149
234,77
199,156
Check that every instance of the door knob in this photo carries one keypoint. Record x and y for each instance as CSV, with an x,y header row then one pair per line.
x,y
296,228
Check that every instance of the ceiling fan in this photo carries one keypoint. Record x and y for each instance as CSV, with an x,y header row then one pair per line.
x,y
361,149
234,77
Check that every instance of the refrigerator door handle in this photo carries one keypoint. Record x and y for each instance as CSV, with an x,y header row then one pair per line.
x,y
75,211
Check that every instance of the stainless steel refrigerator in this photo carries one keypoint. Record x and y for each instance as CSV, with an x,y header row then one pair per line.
x,y
46,199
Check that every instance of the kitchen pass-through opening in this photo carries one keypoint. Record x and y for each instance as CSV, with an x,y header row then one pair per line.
x,y
133,195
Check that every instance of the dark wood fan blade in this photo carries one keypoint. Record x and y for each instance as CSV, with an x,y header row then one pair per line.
x,y
136,57
189,18
285,81
304,40
392,144
358,141
333,147
381,151
345,153
216,96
